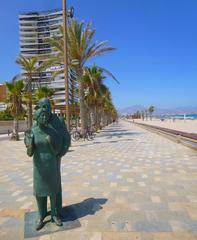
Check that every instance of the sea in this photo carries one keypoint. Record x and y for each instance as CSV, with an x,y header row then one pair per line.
x,y
181,116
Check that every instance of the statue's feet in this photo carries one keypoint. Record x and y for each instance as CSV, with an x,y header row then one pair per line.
x,y
57,221
40,224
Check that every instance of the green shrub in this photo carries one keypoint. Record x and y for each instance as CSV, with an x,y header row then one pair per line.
x,y
5,115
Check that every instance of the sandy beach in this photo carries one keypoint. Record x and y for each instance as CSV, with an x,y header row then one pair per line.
x,y
189,126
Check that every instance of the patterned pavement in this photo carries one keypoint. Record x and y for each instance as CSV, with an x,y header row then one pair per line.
x,y
126,184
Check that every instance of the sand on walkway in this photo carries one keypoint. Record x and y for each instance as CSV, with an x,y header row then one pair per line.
x,y
189,126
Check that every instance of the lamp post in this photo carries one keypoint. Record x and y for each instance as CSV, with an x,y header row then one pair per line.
x,y
65,14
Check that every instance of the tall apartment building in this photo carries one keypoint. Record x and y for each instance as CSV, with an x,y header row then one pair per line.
x,y
35,28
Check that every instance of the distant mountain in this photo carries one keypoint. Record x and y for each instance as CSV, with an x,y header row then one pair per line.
x,y
131,109
178,110
159,111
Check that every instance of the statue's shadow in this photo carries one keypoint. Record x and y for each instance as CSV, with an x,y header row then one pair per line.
x,y
70,216
88,207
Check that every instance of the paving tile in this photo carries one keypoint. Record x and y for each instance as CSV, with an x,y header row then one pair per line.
x,y
155,199
175,236
121,236
77,235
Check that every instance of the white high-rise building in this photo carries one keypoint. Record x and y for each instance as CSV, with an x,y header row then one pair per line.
x,y
35,28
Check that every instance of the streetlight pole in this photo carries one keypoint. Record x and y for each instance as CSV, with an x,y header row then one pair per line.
x,y
64,11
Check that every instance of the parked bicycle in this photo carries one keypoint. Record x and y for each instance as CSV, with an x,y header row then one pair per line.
x,y
88,134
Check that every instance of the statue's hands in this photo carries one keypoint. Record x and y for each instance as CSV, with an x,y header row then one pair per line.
x,y
48,139
29,138
29,142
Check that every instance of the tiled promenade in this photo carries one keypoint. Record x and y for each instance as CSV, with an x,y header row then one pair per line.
x,y
126,184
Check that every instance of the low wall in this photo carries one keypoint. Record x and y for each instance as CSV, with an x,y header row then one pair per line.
x,y
8,125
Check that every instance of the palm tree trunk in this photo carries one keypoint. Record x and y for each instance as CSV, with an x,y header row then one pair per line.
x,y
96,118
91,118
99,119
29,105
15,135
94,113
82,103
88,117
105,119
29,110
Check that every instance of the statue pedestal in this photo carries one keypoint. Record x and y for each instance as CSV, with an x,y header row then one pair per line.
x,y
30,225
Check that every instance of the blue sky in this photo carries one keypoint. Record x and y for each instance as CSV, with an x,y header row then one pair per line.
x,y
156,41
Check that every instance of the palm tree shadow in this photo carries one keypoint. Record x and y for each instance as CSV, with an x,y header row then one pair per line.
x,y
88,207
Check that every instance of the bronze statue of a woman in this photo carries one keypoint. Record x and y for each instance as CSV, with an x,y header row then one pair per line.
x,y
47,143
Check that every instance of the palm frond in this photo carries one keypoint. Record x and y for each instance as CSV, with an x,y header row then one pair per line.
x,y
108,73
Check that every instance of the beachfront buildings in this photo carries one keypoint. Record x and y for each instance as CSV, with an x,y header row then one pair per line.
x,y
3,96
35,28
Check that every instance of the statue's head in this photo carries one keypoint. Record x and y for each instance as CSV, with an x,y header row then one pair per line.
x,y
41,116
45,104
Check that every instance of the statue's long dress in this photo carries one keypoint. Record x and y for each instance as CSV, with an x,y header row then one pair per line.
x,y
45,174
65,140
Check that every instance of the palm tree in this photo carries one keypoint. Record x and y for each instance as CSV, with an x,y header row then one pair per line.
x,y
92,80
151,109
108,111
81,48
146,114
15,91
142,115
43,92
95,91
30,67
